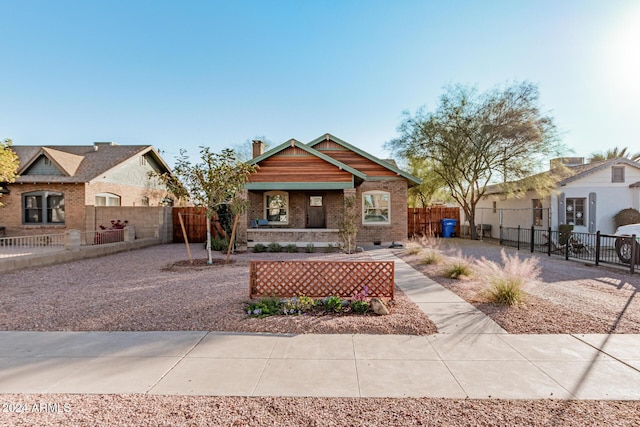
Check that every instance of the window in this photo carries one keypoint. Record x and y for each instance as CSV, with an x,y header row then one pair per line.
x,y
495,207
43,207
376,207
276,207
617,173
536,205
107,199
575,211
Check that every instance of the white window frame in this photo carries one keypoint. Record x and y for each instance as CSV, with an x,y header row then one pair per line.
x,y
109,199
366,210
285,208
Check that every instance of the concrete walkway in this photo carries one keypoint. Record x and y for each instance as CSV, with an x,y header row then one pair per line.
x,y
471,357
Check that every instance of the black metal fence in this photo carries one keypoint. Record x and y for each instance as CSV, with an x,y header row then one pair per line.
x,y
592,247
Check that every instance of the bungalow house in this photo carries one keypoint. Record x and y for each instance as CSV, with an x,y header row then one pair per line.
x,y
57,183
587,196
297,194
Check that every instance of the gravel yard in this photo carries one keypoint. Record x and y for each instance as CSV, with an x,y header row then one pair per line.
x,y
136,410
570,297
142,291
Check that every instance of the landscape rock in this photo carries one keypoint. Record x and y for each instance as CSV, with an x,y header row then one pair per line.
x,y
379,307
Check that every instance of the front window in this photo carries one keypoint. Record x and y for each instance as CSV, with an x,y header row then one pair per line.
x,y
537,211
277,207
376,207
107,199
43,207
575,211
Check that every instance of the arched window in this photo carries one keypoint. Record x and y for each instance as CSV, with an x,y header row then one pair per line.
x,y
107,199
43,207
276,204
376,207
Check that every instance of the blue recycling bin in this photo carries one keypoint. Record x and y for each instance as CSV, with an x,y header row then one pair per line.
x,y
448,227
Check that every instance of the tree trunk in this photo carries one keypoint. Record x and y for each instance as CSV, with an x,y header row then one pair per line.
x,y
210,258
233,236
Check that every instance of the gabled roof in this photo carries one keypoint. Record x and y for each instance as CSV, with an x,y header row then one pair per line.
x,y
390,166
574,173
295,143
582,171
79,163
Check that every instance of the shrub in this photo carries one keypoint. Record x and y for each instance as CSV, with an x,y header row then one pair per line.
x,y
359,306
505,281
309,248
264,307
627,216
298,305
291,248
219,244
431,257
259,247
274,247
457,269
333,304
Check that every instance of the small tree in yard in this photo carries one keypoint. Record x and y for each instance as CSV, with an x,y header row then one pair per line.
x,y
348,227
218,179
8,163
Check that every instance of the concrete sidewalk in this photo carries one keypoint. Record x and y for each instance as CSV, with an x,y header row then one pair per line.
x,y
470,357
200,363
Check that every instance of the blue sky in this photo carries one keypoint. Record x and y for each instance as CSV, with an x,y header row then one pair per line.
x,y
181,74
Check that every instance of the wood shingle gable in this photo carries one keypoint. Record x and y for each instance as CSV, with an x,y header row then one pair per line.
x,y
359,159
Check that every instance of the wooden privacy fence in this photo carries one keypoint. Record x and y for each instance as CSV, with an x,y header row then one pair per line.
x,y
426,221
319,279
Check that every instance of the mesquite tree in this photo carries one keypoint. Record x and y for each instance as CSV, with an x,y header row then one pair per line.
x,y
475,139
8,163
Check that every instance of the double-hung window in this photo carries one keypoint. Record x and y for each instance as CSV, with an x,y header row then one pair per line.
x,y
43,207
575,211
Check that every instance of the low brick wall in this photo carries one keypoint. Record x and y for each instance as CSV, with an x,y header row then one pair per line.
x,y
298,237
319,279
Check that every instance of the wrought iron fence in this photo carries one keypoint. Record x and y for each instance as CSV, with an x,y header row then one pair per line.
x,y
589,247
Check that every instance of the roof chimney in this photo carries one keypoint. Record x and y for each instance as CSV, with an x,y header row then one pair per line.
x,y
258,148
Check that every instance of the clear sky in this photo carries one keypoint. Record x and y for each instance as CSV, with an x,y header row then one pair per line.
x,y
218,73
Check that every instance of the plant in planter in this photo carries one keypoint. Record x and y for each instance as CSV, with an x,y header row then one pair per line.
x,y
110,234
264,307
298,305
332,304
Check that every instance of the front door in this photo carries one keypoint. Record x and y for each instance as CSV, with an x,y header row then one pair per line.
x,y
315,211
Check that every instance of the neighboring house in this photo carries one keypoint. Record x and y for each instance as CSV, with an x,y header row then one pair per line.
x,y
587,197
297,194
57,183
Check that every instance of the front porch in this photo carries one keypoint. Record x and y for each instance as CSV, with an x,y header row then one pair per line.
x,y
301,237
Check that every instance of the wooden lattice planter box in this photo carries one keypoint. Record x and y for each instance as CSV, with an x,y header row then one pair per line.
x,y
319,279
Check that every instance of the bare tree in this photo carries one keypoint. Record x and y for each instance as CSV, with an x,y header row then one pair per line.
x,y
475,139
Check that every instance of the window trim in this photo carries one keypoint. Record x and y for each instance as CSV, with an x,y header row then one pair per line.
x,y
286,207
571,202
538,212
613,173
364,207
44,208
107,196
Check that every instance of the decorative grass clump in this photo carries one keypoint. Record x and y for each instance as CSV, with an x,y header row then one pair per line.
x,y
431,257
504,282
309,248
457,269
413,248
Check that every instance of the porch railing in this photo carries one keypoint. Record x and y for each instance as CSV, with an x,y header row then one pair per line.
x,y
590,247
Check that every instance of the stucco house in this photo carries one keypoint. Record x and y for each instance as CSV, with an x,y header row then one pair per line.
x,y
297,194
56,184
587,196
